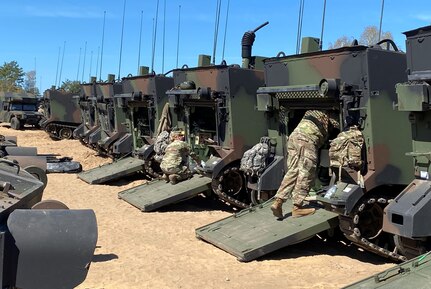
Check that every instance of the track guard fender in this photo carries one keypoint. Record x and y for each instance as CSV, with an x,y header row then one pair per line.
x,y
55,246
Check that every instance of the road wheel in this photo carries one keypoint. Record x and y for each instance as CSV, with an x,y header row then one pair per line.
x,y
38,173
15,123
65,133
50,205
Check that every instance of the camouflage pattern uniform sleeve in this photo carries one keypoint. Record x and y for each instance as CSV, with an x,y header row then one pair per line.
x,y
334,120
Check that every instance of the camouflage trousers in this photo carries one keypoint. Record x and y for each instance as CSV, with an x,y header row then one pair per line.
x,y
183,172
301,169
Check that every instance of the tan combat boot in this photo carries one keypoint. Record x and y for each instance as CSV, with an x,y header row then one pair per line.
x,y
299,211
165,177
174,178
277,208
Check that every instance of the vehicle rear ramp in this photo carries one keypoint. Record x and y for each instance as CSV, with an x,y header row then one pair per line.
x,y
415,273
254,232
113,171
156,194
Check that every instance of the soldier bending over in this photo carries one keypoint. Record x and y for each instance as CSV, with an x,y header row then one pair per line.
x,y
175,161
303,147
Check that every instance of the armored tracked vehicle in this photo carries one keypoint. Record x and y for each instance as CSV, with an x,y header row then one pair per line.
x,y
61,114
86,101
215,106
359,83
141,104
111,121
43,244
19,109
406,217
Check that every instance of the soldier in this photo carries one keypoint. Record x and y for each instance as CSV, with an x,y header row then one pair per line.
x,y
175,161
303,146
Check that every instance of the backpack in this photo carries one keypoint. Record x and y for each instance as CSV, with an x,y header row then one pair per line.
x,y
254,160
346,149
160,145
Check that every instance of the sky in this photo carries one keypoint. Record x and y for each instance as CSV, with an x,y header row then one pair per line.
x,y
36,34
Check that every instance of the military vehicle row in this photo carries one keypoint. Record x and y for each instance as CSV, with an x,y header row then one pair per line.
x,y
206,103
215,105
379,207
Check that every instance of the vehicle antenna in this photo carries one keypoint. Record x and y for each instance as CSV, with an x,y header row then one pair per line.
x,y
323,25
164,28
301,13
101,53
178,36
217,21
91,63
121,41
154,36
79,64
58,64
83,64
140,38
61,67
97,61
381,19
225,29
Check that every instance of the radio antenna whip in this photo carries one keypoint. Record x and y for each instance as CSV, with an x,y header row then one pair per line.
x,y
101,53
217,21
140,38
323,25
121,42
154,37
79,64
225,29
58,64
61,66
83,64
381,19
178,36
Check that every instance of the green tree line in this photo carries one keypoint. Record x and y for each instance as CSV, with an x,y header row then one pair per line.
x,y
14,79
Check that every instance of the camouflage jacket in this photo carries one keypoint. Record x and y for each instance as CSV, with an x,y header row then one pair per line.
x,y
176,155
316,125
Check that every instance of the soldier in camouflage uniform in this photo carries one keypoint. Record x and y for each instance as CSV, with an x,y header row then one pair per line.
x,y
175,161
303,147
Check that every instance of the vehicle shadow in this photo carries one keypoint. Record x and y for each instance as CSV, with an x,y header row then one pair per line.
x,y
104,257
334,246
199,203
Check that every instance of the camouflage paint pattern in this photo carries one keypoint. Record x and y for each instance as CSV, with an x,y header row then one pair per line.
x,y
61,113
21,106
142,103
87,104
111,123
59,106
357,72
407,217
218,114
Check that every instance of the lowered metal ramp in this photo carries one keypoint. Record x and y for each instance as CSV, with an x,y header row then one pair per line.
x,y
154,195
112,171
415,273
255,232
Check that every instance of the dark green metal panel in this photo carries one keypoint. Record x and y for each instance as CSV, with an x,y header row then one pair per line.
x,y
255,232
112,171
415,273
151,196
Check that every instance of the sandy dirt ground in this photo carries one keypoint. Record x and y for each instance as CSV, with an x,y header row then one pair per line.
x,y
159,250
